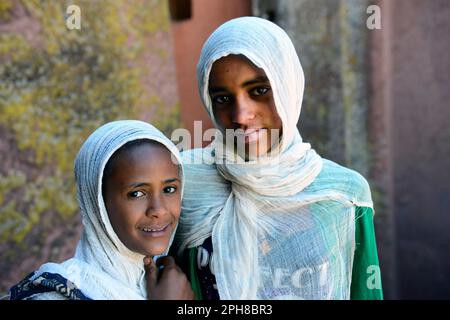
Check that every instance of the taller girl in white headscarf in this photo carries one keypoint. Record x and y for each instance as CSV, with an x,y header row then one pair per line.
x,y
129,187
264,216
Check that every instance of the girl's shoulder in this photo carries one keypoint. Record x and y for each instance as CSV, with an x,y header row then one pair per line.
x,y
334,171
198,156
198,167
350,182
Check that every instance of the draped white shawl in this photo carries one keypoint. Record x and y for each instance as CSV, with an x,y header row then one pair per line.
x,y
282,226
103,268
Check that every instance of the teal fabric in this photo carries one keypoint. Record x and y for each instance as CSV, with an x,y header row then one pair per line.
x,y
366,278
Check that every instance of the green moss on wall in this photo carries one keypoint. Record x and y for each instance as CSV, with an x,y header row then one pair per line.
x,y
55,93
6,7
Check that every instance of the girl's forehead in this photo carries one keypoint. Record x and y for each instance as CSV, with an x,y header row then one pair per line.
x,y
235,58
144,152
235,68
138,152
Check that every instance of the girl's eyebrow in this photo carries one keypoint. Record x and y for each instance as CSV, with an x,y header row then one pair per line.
x,y
260,79
171,180
216,89
137,184
256,80
145,184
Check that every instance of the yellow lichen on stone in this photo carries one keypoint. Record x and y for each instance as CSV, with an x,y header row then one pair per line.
x,y
54,95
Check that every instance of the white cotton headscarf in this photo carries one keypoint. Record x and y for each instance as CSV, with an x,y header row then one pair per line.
x,y
103,267
282,227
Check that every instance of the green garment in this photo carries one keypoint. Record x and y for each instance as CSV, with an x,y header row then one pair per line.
x,y
193,276
366,278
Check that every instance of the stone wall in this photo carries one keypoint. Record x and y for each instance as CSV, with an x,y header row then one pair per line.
x,y
417,98
57,86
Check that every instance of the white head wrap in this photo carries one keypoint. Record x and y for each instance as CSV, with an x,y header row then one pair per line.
x,y
283,227
103,267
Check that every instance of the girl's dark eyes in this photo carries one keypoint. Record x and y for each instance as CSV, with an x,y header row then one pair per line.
x,y
260,91
138,194
221,99
170,189
135,194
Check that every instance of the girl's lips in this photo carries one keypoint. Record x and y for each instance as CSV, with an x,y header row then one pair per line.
x,y
253,136
250,135
155,231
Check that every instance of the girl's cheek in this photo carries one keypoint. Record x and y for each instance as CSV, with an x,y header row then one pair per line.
x,y
137,206
176,209
176,206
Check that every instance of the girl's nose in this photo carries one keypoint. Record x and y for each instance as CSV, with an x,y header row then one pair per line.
x,y
156,207
244,111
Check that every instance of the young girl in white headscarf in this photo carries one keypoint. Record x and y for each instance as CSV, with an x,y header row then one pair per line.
x,y
129,187
264,216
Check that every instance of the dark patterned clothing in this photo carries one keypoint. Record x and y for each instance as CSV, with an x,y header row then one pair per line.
x,y
46,282
205,275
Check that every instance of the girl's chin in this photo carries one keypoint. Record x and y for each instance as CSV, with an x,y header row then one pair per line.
x,y
157,249
255,150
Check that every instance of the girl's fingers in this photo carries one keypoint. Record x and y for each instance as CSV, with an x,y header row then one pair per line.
x,y
151,273
166,261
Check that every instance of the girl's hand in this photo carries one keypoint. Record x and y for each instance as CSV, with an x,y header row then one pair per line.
x,y
166,281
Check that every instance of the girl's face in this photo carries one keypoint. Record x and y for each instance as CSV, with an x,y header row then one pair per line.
x,y
242,98
142,194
